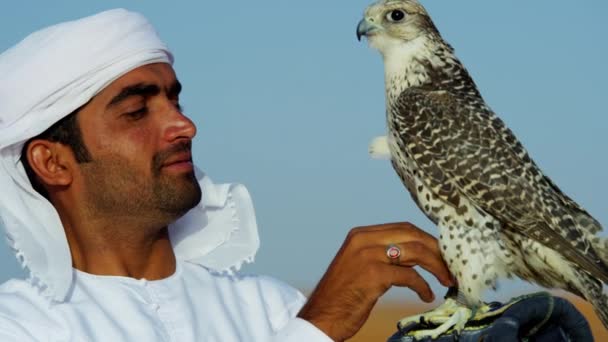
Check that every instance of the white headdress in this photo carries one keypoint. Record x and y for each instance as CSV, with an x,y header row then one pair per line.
x,y
47,76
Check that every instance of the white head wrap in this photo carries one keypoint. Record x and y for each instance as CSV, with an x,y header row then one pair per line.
x,y
47,76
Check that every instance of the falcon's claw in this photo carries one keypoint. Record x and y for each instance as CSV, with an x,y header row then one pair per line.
x,y
451,315
407,328
456,322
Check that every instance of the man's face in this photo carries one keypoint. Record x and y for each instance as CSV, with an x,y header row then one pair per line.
x,y
139,142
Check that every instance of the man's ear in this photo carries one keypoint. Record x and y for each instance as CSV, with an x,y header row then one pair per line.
x,y
52,162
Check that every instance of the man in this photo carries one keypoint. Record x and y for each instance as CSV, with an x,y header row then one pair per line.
x,y
124,238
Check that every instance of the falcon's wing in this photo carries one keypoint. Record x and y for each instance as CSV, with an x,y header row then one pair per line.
x,y
463,148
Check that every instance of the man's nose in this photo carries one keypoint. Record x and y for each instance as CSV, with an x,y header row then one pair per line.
x,y
179,126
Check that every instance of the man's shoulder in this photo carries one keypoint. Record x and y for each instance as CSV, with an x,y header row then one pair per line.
x,y
271,288
22,302
256,290
23,311
255,294
17,294
262,284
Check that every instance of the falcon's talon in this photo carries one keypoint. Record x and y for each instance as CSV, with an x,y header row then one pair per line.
x,y
456,322
452,317
407,328
449,315
494,306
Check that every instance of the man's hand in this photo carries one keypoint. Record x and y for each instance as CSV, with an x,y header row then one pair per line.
x,y
361,273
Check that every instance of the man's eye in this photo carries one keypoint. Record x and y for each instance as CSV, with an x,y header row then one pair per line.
x,y
138,114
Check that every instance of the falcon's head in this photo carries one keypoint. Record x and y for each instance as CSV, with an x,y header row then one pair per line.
x,y
396,24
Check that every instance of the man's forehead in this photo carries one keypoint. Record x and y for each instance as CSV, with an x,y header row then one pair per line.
x,y
161,74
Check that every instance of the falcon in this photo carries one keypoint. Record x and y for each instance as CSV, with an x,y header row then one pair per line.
x,y
498,215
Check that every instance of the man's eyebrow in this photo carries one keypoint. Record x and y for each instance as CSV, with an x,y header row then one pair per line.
x,y
140,89
175,89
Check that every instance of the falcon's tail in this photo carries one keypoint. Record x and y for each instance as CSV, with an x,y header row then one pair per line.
x,y
592,290
600,306
600,245
590,228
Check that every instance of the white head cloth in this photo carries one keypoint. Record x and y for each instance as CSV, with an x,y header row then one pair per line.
x,y
47,76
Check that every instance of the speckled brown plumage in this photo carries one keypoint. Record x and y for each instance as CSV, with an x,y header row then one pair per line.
x,y
498,214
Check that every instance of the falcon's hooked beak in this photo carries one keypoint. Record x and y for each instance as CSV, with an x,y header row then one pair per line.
x,y
366,28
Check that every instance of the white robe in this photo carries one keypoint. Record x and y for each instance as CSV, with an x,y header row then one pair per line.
x,y
193,304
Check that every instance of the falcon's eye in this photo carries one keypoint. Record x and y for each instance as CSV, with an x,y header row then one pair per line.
x,y
395,16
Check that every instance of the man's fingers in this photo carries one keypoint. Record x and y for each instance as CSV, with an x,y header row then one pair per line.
x,y
412,254
417,246
415,253
408,277
361,272
383,226
391,233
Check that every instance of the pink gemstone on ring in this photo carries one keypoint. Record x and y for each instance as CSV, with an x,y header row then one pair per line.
x,y
393,252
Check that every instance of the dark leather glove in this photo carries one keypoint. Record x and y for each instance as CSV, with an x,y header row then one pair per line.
x,y
538,317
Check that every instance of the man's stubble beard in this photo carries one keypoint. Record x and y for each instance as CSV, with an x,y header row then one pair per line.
x,y
117,188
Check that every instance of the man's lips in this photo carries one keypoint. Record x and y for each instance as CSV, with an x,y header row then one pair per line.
x,y
179,160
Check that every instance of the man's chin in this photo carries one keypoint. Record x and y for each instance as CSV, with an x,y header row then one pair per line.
x,y
179,198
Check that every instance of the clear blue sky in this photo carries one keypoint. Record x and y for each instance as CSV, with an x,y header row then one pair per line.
x,y
286,101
